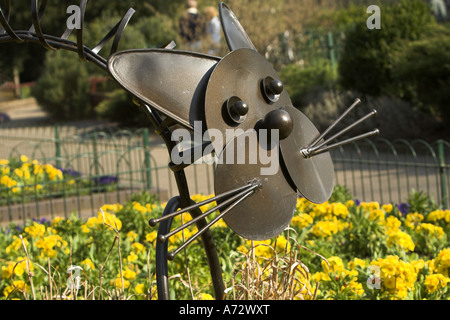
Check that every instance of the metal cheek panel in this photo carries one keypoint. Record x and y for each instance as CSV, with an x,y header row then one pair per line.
x,y
173,82
269,210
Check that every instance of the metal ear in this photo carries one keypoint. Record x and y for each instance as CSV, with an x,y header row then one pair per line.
x,y
235,34
173,82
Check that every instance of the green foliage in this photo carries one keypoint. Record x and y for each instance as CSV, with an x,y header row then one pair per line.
x,y
365,65
63,89
303,82
158,30
119,107
341,194
419,201
421,72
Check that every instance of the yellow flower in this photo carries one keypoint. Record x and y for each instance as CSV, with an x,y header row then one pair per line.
x,y
221,224
139,288
129,274
85,228
418,265
392,224
16,245
413,220
282,244
398,277
7,290
302,220
338,209
150,237
36,230
442,262
350,203
118,283
138,247
430,230
8,182
88,263
387,208
353,287
356,263
49,244
434,282
369,206
132,257
377,215
205,296
320,276
109,219
436,215
18,172
139,208
303,204
319,210
400,239
23,158
56,220
132,235
324,229
18,268
334,265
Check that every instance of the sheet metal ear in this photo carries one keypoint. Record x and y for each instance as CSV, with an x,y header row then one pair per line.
x,y
235,34
173,82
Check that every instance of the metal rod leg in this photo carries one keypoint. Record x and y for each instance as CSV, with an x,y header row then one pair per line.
x,y
185,200
162,276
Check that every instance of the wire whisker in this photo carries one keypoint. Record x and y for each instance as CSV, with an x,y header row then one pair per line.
x,y
309,150
154,222
163,238
318,139
171,255
333,146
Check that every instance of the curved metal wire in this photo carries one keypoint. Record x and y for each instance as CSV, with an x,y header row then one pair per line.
x,y
49,42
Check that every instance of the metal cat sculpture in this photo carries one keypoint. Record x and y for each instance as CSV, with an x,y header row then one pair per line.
x,y
240,91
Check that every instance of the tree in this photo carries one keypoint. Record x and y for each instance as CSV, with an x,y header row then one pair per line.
x,y
365,65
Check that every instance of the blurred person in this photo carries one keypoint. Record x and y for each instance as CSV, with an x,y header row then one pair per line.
x,y
439,10
213,29
191,26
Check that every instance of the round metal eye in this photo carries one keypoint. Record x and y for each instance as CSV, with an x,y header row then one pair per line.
x,y
272,89
237,109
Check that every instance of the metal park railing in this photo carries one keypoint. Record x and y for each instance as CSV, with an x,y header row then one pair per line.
x,y
99,166
108,165
388,171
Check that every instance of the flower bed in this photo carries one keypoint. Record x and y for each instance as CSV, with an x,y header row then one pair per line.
x,y
338,250
23,180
